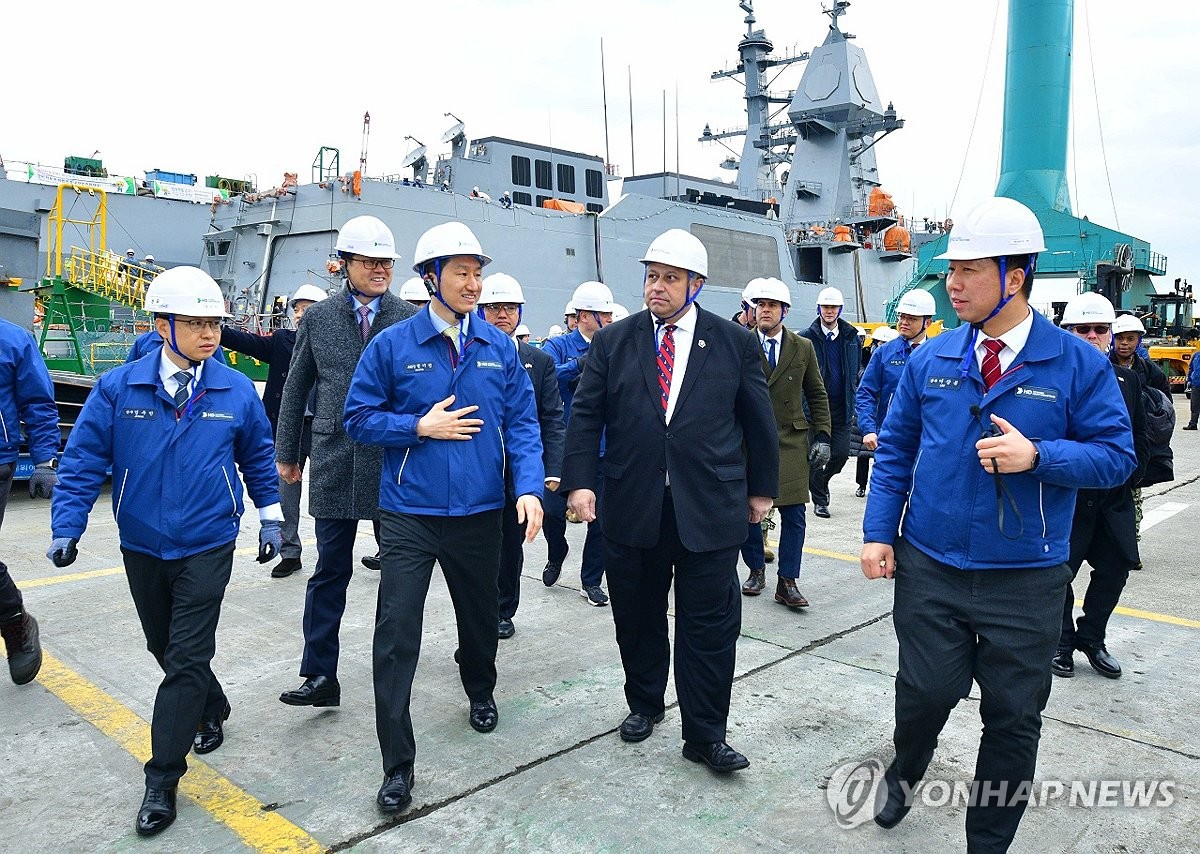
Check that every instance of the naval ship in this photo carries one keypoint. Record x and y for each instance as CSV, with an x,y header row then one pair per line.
x,y
807,205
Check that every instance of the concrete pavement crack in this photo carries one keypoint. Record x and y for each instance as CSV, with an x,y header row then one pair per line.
x,y
428,809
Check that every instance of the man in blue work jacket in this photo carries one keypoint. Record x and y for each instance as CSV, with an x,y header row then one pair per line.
x,y
593,304
26,397
993,429
172,426
444,393
878,384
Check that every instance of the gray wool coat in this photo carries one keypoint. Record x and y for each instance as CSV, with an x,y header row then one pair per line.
x,y
343,475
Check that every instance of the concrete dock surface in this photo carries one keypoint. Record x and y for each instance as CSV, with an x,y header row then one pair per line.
x,y
813,698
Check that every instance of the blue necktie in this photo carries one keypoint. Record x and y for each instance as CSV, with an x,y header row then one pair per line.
x,y
835,390
771,353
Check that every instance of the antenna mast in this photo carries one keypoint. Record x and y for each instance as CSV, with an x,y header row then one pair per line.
x,y
604,95
362,158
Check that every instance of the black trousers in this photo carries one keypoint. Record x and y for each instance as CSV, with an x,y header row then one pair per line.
x,y
468,550
512,561
708,618
998,628
11,603
325,597
179,603
839,447
1107,552
554,529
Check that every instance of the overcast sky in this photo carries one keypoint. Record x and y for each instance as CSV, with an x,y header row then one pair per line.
x,y
256,88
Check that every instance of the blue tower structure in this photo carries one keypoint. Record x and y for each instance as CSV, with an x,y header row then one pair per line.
x,y
1033,161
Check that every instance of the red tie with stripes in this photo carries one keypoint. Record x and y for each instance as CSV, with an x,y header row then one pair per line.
x,y
991,361
666,364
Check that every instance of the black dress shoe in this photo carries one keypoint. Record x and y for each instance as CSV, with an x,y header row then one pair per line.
x,y
637,727
551,573
210,734
371,562
505,629
1063,664
285,567
24,647
157,812
1101,661
861,492
822,510
718,756
484,715
895,805
396,792
316,691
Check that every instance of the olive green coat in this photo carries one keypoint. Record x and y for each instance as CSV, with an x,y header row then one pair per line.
x,y
795,387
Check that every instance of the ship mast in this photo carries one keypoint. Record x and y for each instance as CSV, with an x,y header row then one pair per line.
x,y
762,148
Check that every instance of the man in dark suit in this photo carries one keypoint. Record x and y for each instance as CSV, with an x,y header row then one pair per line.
x,y
275,351
677,392
343,485
500,304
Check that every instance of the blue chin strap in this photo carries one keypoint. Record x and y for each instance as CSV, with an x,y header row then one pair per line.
x,y
174,343
1005,299
688,300
434,286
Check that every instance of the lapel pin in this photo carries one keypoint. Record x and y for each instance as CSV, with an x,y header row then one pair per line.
x,y
701,343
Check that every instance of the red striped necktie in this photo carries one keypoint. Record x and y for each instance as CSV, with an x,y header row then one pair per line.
x,y
991,361
666,364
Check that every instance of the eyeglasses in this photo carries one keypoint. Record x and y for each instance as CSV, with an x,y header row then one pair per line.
x,y
502,307
199,326
376,263
1086,329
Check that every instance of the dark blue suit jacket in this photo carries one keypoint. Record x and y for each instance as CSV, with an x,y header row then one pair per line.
x,y
722,408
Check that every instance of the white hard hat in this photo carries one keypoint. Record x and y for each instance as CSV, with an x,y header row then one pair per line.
x,y
555,330
446,241
1128,323
1090,307
414,290
884,334
366,236
830,296
568,309
994,228
917,302
592,296
185,290
678,248
501,287
130,252
746,298
767,288
522,329
307,292
149,257
619,312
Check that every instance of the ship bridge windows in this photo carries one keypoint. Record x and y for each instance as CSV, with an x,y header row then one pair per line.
x,y
541,201
219,248
593,184
810,264
520,172
566,178
522,199
543,175
595,208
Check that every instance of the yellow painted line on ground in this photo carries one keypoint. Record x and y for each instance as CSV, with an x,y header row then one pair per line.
x,y
262,830
1128,612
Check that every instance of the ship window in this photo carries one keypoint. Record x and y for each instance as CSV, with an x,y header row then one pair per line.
x,y
566,178
541,200
520,171
542,174
594,208
594,182
810,265
522,199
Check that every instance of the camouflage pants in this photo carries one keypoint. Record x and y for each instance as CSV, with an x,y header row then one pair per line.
x,y
1137,513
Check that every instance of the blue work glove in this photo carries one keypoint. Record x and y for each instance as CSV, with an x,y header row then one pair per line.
x,y
42,481
270,541
819,453
63,551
